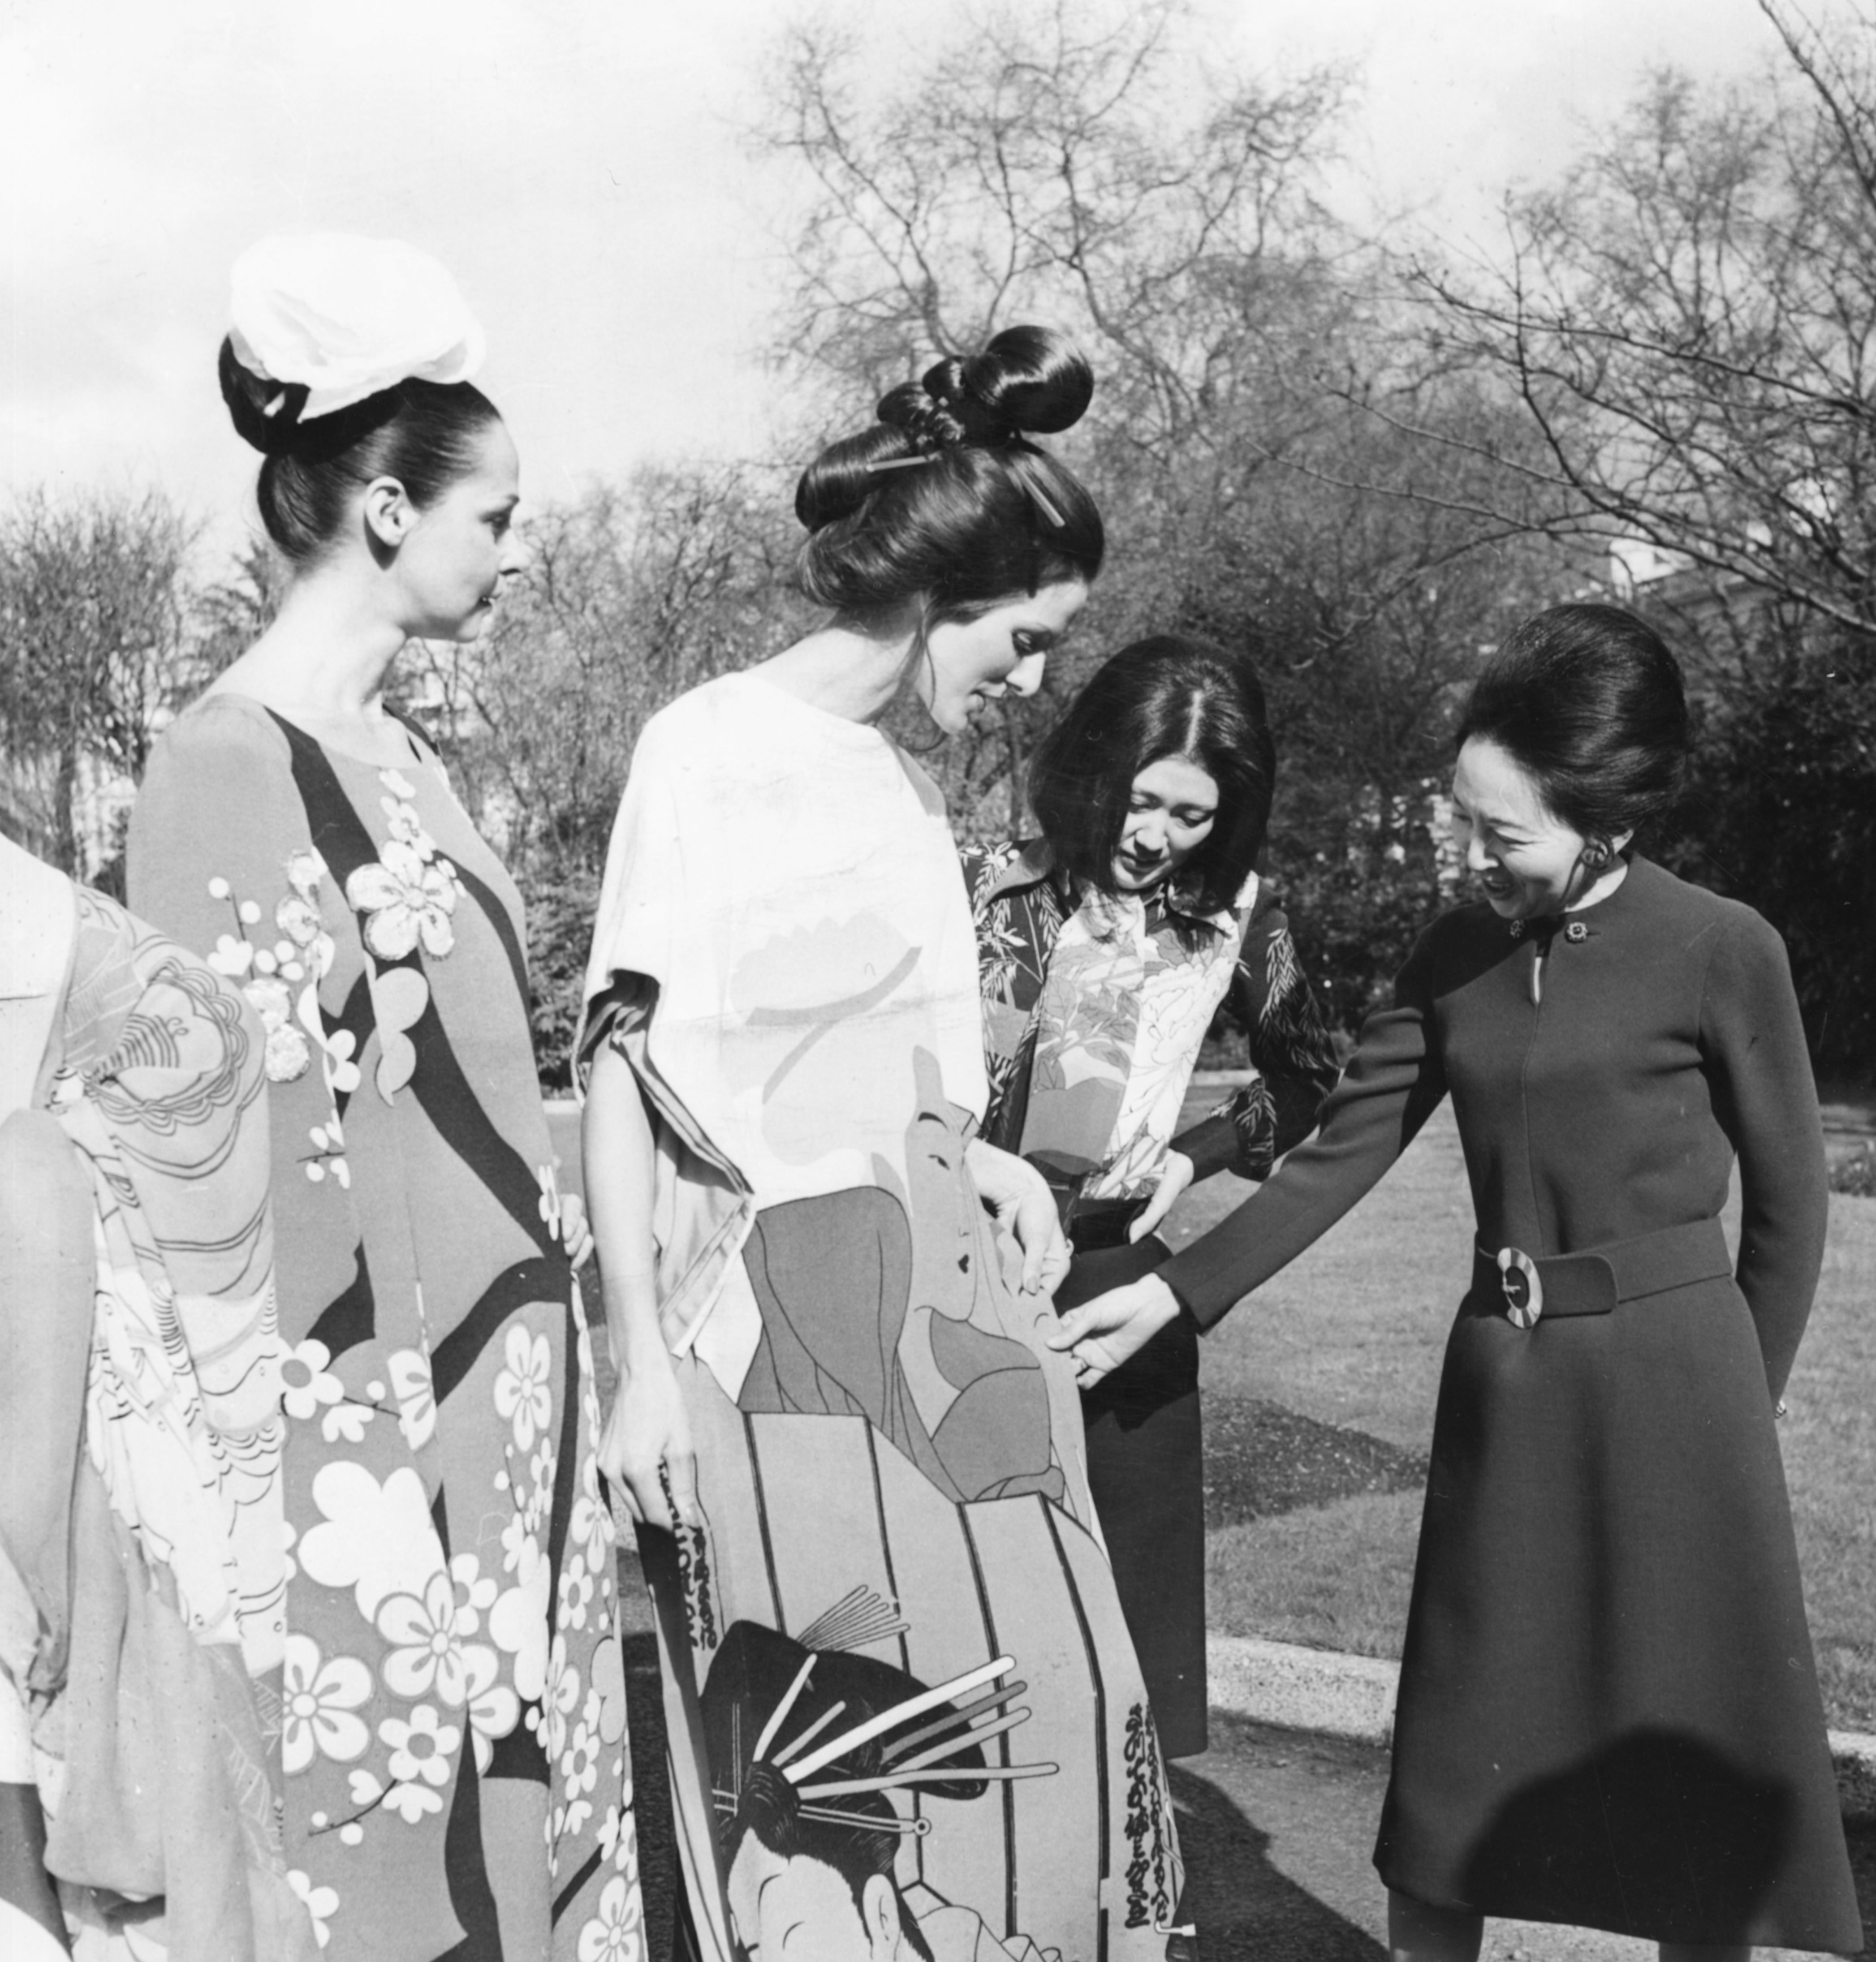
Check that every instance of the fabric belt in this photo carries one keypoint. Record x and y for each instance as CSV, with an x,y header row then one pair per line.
x,y
1527,1288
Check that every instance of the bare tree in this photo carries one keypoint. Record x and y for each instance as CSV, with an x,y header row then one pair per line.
x,y
94,627
1073,163
1083,165
1687,323
638,591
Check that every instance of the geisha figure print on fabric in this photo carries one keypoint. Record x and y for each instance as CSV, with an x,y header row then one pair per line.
x,y
902,1703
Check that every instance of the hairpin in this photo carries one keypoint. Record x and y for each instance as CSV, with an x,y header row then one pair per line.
x,y
951,1774
1048,510
890,1719
904,462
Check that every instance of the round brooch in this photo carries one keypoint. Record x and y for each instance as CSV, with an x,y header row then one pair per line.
x,y
1577,931
1517,929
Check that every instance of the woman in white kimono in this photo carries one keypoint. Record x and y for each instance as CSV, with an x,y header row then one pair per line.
x,y
905,1717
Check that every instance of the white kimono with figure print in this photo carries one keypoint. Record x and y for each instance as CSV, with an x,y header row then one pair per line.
x,y
890,1468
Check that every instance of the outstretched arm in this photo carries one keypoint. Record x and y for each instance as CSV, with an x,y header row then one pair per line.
x,y
1393,1083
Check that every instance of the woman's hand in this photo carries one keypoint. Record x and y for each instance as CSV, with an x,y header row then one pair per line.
x,y
1102,1333
1172,1181
576,1236
644,1447
1019,1196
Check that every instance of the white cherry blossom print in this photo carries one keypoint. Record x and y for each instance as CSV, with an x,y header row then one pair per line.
x,y
559,1699
523,1389
321,1903
319,1697
537,1501
549,1199
401,820
421,1749
305,869
348,1421
410,1802
378,1540
289,1054
416,1394
579,1762
427,1656
518,1623
589,1527
618,1836
517,1542
408,896
493,1708
307,1386
576,1591
617,1933
476,1592
607,1668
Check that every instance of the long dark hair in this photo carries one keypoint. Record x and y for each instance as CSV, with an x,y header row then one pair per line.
x,y
1589,701
426,434
945,498
1166,696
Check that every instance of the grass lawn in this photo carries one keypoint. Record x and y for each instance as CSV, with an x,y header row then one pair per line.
x,y
1353,1332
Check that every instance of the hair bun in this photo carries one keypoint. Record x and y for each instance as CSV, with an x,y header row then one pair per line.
x,y
1029,379
265,414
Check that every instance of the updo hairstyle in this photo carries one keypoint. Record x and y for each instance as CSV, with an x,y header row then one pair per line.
x,y
1166,696
425,434
1589,701
945,498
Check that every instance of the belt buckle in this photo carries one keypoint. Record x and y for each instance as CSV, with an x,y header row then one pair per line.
x,y
1522,1286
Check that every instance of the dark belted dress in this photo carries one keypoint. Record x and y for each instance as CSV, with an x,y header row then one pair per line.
x,y
1608,1713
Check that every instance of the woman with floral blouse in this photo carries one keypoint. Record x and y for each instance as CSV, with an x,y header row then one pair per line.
x,y
1105,947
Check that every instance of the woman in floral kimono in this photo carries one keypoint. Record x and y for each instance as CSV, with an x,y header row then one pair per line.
x,y
454,1748
1106,946
141,1562
905,1717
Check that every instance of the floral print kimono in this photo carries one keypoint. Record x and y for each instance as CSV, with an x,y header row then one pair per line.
x,y
454,1746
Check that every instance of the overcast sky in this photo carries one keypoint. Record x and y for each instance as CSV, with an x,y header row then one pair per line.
x,y
576,163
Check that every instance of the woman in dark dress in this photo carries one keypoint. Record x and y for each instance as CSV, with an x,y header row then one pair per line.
x,y
1608,1715
1105,947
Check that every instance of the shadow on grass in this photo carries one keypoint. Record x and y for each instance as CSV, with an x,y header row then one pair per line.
x,y
1243,1907
1262,1460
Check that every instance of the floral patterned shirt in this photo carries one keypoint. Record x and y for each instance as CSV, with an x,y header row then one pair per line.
x,y
1020,906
